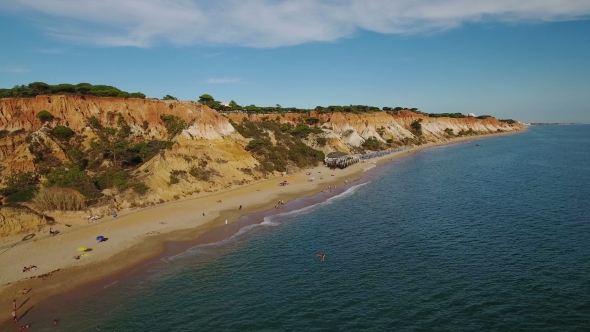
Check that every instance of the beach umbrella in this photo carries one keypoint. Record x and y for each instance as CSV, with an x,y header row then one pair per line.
x,y
82,249
100,238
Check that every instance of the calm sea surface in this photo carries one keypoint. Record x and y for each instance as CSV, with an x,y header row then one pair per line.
x,y
494,237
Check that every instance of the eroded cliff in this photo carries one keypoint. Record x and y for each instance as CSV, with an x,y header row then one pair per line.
x,y
168,150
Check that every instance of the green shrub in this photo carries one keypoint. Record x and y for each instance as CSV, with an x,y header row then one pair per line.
x,y
174,125
44,116
373,144
94,123
72,177
62,132
115,177
321,141
21,196
201,173
449,131
140,188
20,187
417,127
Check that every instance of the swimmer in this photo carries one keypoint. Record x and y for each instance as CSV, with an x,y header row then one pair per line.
x,y
323,256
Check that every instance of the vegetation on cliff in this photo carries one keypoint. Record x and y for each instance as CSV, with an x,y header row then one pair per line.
x,y
83,89
107,162
289,149
80,149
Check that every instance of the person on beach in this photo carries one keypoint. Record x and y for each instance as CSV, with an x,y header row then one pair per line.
x,y
323,256
14,318
55,322
14,304
240,206
203,214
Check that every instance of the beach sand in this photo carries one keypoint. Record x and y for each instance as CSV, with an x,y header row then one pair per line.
x,y
137,236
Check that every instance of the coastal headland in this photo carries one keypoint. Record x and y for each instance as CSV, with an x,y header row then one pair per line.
x,y
210,172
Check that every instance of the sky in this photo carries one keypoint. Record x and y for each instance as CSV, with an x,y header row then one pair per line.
x,y
527,60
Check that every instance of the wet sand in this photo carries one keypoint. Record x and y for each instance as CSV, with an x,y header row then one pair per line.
x,y
78,282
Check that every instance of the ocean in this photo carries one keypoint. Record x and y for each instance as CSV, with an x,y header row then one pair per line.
x,y
487,235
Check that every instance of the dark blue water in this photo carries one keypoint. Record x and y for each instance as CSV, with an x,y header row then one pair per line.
x,y
494,237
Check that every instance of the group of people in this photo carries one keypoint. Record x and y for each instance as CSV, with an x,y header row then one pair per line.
x,y
281,202
15,317
29,268
92,218
329,188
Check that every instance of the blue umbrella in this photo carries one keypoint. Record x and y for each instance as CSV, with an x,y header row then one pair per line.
x,y
100,238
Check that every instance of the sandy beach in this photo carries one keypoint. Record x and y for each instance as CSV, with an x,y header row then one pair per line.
x,y
138,235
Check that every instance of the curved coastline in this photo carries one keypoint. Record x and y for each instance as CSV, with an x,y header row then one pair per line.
x,y
72,282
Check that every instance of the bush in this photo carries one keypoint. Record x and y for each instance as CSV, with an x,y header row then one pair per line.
x,y
20,187
115,177
255,145
373,144
62,132
321,141
140,188
449,131
174,125
44,116
94,123
72,177
62,199
200,173
417,127
21,196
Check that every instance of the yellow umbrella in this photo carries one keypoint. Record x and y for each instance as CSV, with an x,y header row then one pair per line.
x,y
82,249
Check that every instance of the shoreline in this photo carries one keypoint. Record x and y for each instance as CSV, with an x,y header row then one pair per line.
x,y
152,231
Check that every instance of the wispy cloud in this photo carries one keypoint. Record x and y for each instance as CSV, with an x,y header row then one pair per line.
x,y
15,69
273,23
222,80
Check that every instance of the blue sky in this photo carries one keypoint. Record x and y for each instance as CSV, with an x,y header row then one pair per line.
x,y
527,60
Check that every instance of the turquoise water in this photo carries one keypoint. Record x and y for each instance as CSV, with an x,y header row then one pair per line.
x,y
494,237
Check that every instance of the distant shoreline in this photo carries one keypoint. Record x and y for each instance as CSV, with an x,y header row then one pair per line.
x,y
143,235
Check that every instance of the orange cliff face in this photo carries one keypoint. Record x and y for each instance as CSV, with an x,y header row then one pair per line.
x,y
208,155
74,111
209,137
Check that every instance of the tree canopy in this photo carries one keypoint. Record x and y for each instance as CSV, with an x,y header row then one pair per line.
x,y
84,89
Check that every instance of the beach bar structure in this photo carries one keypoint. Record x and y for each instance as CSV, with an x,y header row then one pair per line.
x,y
340,159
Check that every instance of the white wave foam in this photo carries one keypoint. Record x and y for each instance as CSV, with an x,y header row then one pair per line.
x,y
268,221
348,192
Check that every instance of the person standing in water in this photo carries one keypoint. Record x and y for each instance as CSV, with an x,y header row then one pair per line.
x,y
323,256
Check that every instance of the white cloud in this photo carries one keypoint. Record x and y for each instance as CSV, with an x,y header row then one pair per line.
x,y
273,23
222,80
15,69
